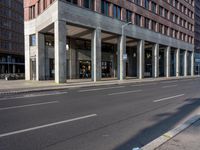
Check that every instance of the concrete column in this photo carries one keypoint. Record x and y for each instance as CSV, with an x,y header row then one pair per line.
x,y
14,68
40,57
72,60
177,53
3,69
96,55
27,58
155,64
167,61
140,59
47,67
185,63
192,63
60,51
80,3
130,63
115,64
121,63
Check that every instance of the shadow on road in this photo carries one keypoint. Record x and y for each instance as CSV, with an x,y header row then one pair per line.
x,y
171,119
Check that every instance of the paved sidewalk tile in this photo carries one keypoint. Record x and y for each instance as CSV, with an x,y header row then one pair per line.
x,y
189,139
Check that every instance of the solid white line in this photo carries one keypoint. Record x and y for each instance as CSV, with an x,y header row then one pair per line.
x,y
144,84
107,88
167,98
28,105
32,95
46,125
169,86
125,92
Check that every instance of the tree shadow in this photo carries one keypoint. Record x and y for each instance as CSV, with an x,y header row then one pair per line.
x,y
164,125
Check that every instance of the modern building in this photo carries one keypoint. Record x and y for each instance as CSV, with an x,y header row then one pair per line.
x,y
197,37
11,37
78,39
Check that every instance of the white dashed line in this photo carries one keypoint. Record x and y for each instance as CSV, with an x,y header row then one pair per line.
x,y
169,86
167,98
28,105
125,92
99,89
32,95
144,84
45,126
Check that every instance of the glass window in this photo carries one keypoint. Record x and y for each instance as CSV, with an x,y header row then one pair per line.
x,y
154,25
146,23
89,4
73,1
128,16
138,20
105,7
117,12
153,9
146,4
32,40
138,2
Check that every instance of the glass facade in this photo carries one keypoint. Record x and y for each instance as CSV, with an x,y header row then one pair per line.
x,y
12,37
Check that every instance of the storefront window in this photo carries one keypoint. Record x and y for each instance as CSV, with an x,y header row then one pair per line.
x,y
106,67
85,69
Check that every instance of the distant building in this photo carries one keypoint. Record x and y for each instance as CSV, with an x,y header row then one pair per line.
x,y
78,39
11,37
197,37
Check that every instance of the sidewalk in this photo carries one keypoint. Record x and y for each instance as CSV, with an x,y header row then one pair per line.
x,y
189,139
21,86
185,136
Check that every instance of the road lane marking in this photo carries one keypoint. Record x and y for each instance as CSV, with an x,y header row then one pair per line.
x,y
167,98
187,80
144,84
169,86
32,95
165,82
46,125
28,105
125,92
98,89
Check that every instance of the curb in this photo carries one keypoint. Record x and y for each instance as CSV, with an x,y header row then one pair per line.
x,y
170,134
63,87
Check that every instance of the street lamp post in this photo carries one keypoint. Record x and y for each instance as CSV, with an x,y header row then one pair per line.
x,y
122,54
123,26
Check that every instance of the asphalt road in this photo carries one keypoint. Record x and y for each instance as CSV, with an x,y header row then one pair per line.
x,y
117,117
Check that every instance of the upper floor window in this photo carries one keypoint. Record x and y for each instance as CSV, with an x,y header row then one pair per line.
x,y
153,25
166,13
89,4
105,7
146,23
138,20
32,40
128,16
32,12
161,11
117,12
146,4
153,7
73,1
138,2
